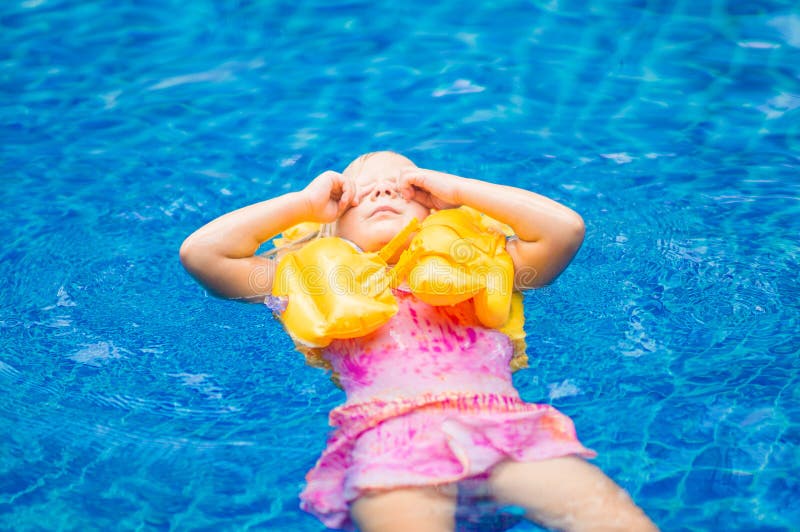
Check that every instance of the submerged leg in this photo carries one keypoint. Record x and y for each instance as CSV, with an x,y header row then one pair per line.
x,y
568,493
424,509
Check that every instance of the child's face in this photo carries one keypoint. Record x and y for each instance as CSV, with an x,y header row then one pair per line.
x,y
381,211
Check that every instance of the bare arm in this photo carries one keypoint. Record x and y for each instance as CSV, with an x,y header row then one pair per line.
x,y
221,254
549,233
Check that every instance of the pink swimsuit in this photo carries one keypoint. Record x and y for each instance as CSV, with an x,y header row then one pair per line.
x,y
429,401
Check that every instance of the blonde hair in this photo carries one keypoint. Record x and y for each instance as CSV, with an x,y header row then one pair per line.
x,y
358,163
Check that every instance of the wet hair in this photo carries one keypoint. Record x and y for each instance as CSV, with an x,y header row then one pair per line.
x,y
359,161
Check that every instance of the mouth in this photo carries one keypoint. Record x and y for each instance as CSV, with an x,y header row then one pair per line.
x,y
384,208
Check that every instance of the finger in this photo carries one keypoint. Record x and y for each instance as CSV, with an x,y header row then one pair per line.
x,y
356,193
343,186
406,192
330,176
347,196
407,185
351,193
338,178
422,197
336,192
365,190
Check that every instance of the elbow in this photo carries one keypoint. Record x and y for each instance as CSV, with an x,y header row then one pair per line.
x,y
190,254
186,253
576,232
570,241
196,261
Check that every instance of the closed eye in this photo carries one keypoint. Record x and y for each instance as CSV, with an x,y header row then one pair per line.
x,y
364,191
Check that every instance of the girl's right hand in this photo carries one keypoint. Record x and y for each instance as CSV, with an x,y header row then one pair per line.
x,y
328,196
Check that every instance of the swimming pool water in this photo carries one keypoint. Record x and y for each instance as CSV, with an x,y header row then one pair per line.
x,y
132,400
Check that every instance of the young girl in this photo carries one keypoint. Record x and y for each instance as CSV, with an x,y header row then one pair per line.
x,y
422,422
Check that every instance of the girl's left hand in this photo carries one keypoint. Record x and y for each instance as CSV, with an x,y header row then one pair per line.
x,y
435,190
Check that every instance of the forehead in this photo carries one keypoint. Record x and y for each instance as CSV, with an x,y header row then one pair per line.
x,y
380,166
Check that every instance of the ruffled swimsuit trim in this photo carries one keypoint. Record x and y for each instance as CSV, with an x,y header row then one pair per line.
x,y
467,434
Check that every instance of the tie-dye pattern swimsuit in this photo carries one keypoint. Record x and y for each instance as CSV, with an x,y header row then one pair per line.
x,y
429,401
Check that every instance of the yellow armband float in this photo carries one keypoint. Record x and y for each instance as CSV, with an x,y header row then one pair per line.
x,y
334,291
295,233
455,257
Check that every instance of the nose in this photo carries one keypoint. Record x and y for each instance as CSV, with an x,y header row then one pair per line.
x,y
384,188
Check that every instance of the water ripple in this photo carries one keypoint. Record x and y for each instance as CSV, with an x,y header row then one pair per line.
x,y
670,127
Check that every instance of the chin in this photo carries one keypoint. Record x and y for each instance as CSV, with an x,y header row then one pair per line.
x,y
378,240
375,244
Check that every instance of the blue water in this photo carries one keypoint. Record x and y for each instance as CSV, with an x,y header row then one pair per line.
x,y
132,400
